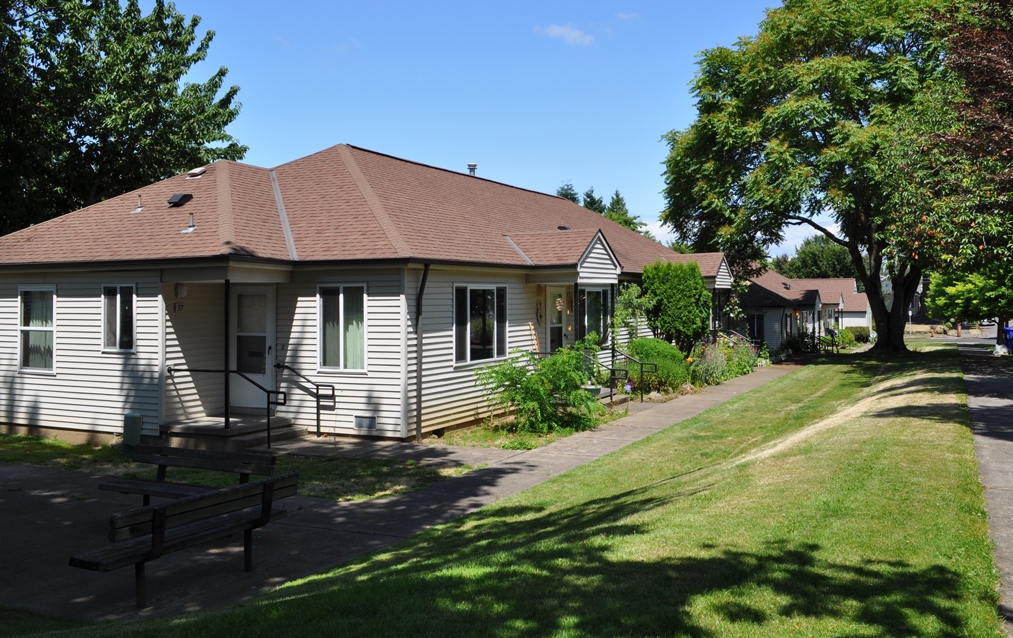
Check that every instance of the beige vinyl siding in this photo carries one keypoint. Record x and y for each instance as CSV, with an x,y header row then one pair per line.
x,y
724,276
90,390
858,319
598,267
194,338
450,394
377,392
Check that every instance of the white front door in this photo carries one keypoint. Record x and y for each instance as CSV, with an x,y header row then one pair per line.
x,y
252,347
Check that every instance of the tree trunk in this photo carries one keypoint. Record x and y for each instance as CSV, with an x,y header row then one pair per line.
x,y
890,323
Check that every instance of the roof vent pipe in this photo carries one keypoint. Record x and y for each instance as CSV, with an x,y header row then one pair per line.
x,y
472,167
140,206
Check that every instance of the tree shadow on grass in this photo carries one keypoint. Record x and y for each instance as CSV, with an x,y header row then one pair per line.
x,y
526,570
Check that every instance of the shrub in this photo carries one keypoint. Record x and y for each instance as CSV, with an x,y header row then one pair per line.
x,y
859,333
845,338
546,394
673,371
741,357
709,364
681,303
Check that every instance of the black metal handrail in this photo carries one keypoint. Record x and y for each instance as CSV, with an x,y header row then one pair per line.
x,y
316,386
651,367
282,396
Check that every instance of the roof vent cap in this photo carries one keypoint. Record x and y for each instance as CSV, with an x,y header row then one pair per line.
x,y
562,228
140,206
472,167
179,199
197,172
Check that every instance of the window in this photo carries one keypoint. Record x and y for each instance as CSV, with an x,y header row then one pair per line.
x,y
595,312
343,327
480,323
36,327
118,317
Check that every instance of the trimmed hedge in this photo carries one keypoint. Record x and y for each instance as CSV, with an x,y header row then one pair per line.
x,y
673,371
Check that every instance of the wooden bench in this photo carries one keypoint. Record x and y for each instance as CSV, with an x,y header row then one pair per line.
x,y
244,464
146,533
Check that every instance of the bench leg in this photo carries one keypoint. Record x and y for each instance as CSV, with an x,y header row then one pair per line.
x,y
139,584
248,550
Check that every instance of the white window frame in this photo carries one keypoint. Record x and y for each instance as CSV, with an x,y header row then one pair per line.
x,y
102,302
37,288
606,315
495,331
341,312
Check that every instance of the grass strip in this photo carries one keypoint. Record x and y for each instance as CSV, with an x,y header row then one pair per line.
x,y
840,500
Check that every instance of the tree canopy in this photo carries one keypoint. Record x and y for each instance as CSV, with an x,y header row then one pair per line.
x,y
95,104
817,257
821,115
972,296
616,209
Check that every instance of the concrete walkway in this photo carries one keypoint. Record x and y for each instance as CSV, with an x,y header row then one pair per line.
x,y
46,515
989,382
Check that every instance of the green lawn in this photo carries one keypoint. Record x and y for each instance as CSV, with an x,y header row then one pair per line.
x,y
840,500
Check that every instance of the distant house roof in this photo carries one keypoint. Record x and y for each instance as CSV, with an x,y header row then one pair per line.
x,y
343,203
772,289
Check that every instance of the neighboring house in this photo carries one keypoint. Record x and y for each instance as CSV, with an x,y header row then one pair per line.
x,y
853,309
329,265
777,307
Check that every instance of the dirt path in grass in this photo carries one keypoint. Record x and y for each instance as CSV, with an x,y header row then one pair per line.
x,y
880,397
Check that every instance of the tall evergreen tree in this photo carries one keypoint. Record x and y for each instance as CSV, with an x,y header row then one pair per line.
x,y
567,191
591,202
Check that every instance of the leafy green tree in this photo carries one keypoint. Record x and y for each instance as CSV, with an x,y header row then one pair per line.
x,y
591,202
819,257
680,311
822,113
630,313
971,296
681,247
95,104
567,191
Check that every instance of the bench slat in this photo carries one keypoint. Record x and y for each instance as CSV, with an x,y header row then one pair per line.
x,y
260,458
220,465
139,550
160,489
137,521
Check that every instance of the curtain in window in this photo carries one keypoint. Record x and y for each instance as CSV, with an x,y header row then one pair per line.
x,y
331,333
355,328
37,345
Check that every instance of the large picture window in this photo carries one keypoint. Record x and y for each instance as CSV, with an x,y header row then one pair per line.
x,y
343,327
480,323
595,313
37,329
118,317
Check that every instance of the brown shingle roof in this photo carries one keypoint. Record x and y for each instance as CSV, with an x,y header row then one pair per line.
x,y
832,288
343,203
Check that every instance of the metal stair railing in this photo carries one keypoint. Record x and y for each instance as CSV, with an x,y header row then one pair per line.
x,y
316,389
281,400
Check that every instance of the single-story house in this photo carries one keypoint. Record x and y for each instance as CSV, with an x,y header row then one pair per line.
x,y
187,300
776,307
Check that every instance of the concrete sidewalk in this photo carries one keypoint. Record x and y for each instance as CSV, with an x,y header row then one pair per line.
x,y
46,515
989,382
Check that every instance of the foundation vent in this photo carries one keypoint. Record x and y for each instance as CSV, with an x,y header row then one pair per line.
x,y
365,422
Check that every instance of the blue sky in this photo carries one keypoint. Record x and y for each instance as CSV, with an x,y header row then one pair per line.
x,y
536,93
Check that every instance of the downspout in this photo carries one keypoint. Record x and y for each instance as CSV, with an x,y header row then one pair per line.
x,y
418,354
228,396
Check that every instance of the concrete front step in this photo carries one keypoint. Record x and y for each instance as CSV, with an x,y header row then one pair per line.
x,y
209,433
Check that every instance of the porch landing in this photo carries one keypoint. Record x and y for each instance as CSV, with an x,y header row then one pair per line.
x,y
209,433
